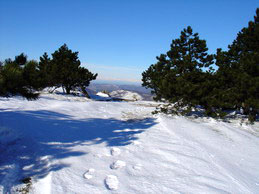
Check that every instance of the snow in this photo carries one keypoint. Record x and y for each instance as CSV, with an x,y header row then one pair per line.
x,y
7,136
126,95
118,164
115,151
101,94
89,173
70,144
112,182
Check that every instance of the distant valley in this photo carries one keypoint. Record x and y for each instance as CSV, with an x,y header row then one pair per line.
x,y
93,88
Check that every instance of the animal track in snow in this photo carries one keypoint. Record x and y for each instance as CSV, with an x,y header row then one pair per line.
x,y
118,164
115,151
112,182
89,173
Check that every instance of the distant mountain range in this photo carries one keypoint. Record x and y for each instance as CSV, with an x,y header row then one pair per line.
x,y
96,87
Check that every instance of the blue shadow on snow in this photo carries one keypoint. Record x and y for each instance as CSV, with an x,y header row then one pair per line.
x,y
52,135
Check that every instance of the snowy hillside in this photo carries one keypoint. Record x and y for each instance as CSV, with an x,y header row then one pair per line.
x,y
61,144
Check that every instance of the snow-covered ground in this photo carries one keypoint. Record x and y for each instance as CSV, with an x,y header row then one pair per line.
x,y
73,145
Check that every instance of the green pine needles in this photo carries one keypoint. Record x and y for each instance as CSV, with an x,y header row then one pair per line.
x,y
27,78
185,79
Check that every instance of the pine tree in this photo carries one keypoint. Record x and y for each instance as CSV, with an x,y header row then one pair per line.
x,y
31,75
66,70
12,79
239,70
84,78
182,74
45,71
20,59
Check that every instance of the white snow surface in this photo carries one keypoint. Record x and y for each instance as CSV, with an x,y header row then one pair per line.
x,y
112,182
102,94
118,164
73,145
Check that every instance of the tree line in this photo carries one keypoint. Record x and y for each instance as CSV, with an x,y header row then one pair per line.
x,y
186,79
27,78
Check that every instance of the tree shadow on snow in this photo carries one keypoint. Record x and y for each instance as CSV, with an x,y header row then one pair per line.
x,y
46,136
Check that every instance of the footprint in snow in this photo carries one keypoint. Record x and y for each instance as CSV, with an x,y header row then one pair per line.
x,y
115,151
118,164
111,182
89,173
137,167
136,143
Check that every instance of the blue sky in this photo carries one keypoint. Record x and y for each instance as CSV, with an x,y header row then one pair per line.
x,y
118,39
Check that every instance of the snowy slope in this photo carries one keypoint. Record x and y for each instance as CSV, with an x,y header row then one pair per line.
x,y
72,145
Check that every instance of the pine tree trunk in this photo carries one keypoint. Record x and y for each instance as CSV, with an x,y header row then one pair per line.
x,y
68,89
85,92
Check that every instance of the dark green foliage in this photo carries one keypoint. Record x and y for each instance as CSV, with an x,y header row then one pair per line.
x,y
181,75
184,75
31,75
20,59
65,64
84,78
44,67
24,77
66,71
238,70
12,79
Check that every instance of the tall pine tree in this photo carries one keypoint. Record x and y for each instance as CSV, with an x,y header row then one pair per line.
x,y
238,72
66,70
181,75
45,71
